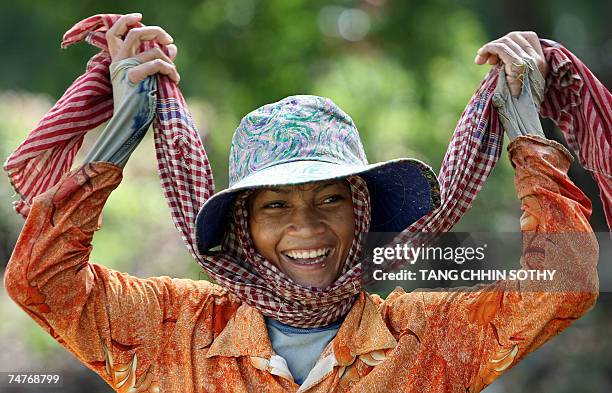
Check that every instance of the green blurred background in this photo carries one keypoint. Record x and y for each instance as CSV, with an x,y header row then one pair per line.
x,y
402,69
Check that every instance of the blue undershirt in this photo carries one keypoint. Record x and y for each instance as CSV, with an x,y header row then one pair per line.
x,y
300,347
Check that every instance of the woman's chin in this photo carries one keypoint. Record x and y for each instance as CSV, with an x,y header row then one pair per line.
x,y
316,282
317,279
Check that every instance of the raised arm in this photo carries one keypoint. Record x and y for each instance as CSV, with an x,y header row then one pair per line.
x,y
116,324
476,334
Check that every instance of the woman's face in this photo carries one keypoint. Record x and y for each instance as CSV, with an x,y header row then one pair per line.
x,y
305,230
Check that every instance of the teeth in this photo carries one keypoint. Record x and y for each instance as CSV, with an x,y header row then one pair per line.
x,y
308,254
310,261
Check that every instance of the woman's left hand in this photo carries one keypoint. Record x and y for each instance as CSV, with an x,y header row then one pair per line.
x,y
511,49
123,44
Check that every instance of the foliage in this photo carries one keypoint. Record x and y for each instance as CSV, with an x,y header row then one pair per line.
x,y
404,82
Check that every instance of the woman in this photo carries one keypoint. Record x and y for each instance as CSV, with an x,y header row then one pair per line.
x,y
285,243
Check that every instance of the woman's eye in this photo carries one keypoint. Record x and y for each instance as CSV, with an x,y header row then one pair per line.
x,y
332,199
274,205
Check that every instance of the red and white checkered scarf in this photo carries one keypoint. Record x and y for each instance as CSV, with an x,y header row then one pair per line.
x,y
578,103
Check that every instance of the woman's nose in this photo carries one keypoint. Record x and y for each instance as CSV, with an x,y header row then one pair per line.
x,y
306,222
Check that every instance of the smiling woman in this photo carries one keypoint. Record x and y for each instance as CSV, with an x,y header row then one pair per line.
x,y
300,182
285,241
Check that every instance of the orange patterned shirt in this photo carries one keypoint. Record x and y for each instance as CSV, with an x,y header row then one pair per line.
x,y
163,334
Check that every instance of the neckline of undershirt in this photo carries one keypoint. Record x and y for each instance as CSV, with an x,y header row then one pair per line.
x,y
288,329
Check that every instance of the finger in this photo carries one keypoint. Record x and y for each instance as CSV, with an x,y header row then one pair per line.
x,y
172,51
502,51
135,36
516,70
514,45
534,40
114,35
541,62
487,58
152,54
480,59
120,27
140,72
524,44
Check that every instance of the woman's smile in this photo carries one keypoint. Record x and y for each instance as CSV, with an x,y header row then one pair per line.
x,y
306,231
308,258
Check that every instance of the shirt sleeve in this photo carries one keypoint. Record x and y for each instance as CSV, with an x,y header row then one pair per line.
x,y
116,324
478,333
519,115
134,109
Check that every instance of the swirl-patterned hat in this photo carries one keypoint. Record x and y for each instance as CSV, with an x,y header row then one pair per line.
x,y
303,139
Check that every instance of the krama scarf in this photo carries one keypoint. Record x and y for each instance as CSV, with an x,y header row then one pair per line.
x,y
575,100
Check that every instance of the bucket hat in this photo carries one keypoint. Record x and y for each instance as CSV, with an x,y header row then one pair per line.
x,y
302,139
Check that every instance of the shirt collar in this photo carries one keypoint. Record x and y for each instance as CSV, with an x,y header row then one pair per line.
x,y
362,331
244,335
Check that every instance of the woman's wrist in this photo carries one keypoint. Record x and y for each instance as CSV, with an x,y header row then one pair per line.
x,y
122,86
134,109
519,115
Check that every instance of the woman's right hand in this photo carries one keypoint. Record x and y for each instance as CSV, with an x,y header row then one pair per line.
x,y
511,50
122,46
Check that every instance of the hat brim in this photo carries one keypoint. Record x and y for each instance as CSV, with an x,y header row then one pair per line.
x,y
401,191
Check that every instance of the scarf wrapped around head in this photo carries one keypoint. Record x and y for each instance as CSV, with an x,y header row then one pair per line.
x,y
254,279
298,140
575,100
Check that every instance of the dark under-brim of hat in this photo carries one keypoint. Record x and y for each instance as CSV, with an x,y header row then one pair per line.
x,y
401,191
